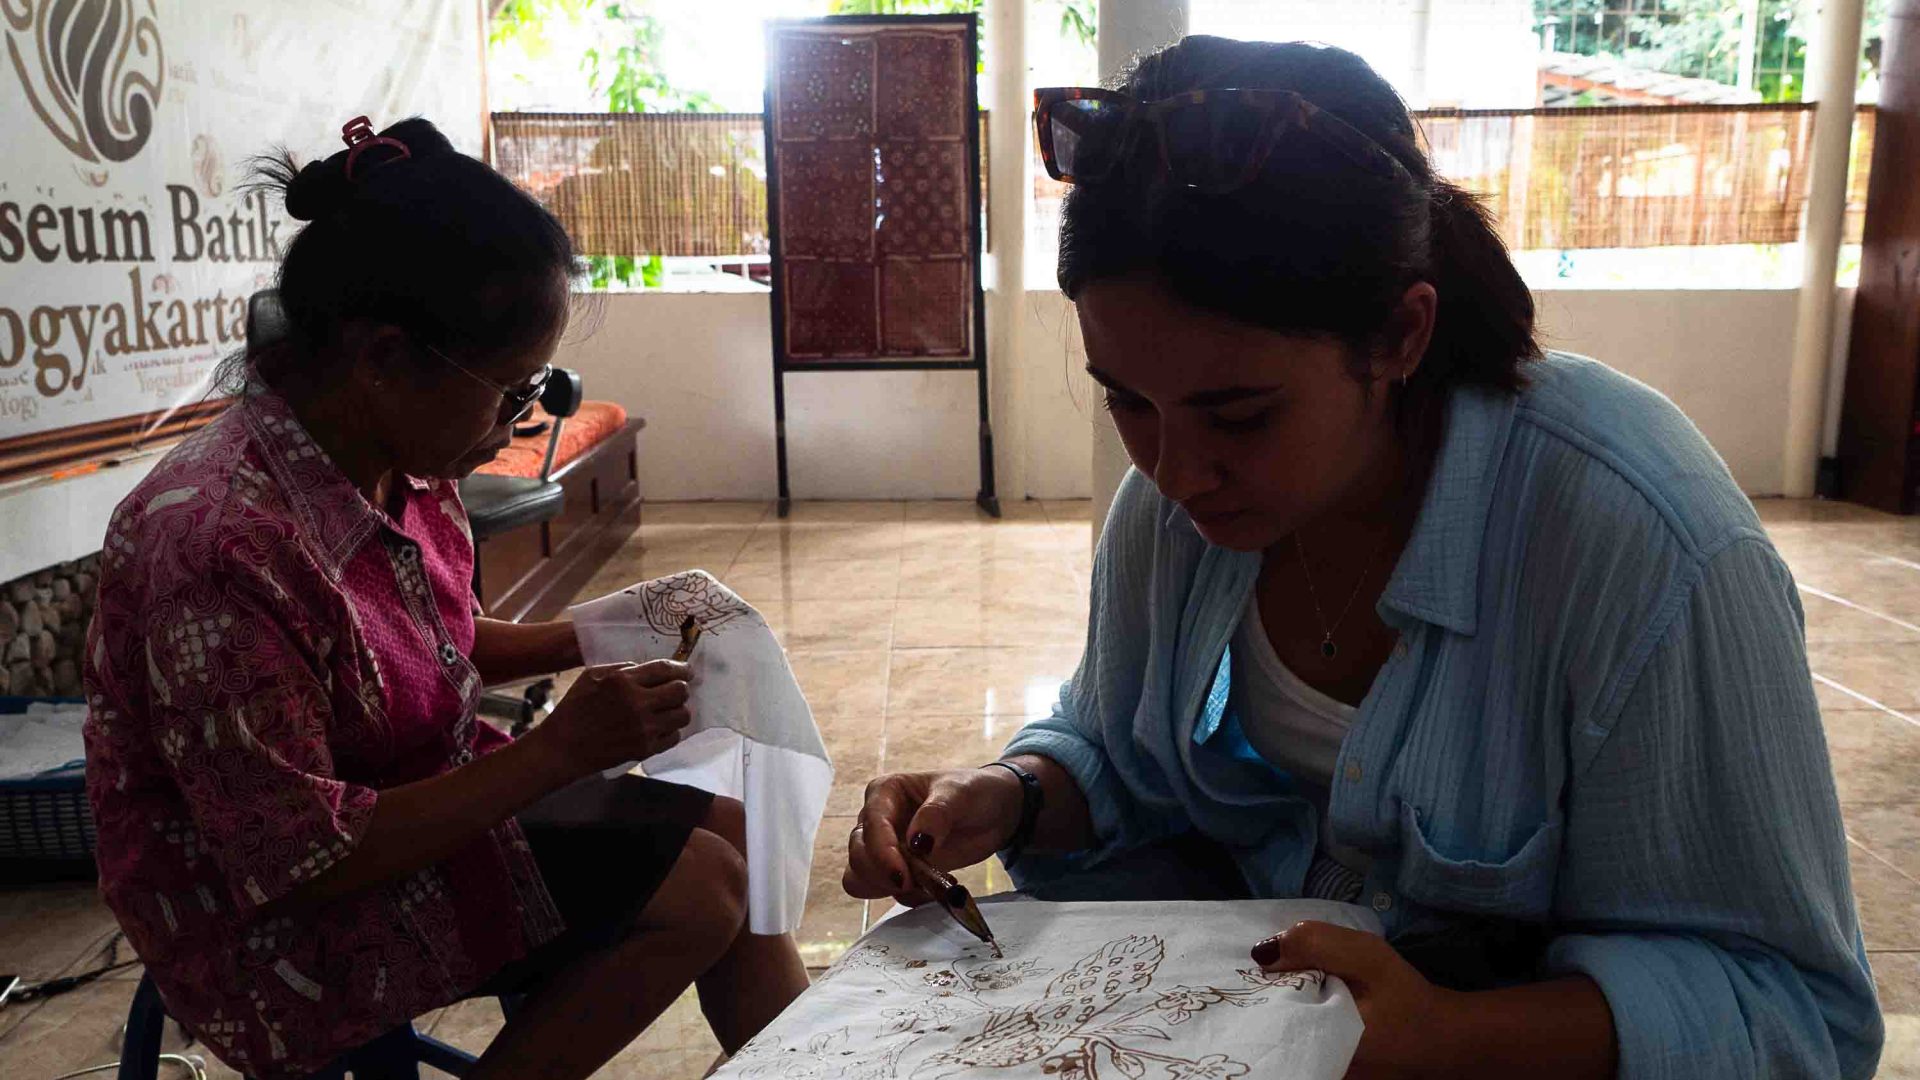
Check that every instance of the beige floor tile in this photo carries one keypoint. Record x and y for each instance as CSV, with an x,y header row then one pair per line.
x,y
46,930
833,920
935,624
68,1032
1069,511
959,511
964,543
679,548
468,1025
1774,512
854,743
1874,587
1897,977
1013,622
1876,757
792,543
704,513
1886,672
1837,621
932,743
840,683
721,540
760,584
832,625
1889,902
1000,681
926,576
803,512
1891,831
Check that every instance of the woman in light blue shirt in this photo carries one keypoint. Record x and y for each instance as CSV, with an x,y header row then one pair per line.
x,y
1394,609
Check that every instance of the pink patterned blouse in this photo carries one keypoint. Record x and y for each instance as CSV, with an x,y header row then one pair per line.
x,y
269,652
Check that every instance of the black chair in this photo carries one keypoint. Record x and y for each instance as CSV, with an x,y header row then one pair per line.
x,y
498,504
397,1055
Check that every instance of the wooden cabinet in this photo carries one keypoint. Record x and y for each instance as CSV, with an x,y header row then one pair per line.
x,y
1880,415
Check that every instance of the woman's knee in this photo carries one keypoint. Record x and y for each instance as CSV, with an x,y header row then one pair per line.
x,y
705,893
727,819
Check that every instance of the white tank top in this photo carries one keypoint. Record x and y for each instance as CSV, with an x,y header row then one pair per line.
x,y
1292,725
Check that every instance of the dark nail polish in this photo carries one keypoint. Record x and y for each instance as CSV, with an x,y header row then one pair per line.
x,y
1266,952
899,880
922,844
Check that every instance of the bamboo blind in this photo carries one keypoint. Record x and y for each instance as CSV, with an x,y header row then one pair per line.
x,y
1630,176
643,183
1858,170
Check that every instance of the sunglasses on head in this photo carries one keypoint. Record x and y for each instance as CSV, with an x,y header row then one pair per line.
x,y
1214,141
515,401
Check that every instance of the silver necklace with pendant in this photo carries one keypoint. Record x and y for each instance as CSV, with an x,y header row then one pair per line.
x,y
1327,648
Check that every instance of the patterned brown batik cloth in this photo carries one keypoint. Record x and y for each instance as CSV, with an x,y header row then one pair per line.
x,y
874,182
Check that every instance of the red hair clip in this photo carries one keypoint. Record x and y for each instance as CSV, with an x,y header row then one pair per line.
x,y
358,134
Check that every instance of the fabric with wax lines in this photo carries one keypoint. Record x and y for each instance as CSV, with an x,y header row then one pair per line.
x,y
1093,991
752,736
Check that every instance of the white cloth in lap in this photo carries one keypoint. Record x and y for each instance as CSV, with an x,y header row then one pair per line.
x,y
752,737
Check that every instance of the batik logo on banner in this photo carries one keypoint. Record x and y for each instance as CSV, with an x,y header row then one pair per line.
x,y
92,70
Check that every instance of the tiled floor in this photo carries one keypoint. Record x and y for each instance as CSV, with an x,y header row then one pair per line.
x,y
925,633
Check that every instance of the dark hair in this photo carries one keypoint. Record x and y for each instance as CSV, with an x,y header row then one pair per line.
x,y
1313,245
435,243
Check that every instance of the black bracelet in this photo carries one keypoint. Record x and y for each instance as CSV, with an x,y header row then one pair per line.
x,y
1032,798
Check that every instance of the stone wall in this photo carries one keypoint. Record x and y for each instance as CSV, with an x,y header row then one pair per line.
x,y
43,628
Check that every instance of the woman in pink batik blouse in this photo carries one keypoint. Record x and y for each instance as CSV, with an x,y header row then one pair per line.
x,y
304,830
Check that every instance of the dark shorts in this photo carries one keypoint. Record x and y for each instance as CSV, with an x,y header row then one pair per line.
x,y
603,847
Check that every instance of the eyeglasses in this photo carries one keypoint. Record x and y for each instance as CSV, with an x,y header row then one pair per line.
x,y
1214,141
515,402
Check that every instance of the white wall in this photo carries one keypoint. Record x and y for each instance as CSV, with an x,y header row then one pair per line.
x,y
1723,356
697,366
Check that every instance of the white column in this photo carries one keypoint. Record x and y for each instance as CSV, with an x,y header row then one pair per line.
x,y
1417,91
1010,188
1833,73
1128,28
1749,53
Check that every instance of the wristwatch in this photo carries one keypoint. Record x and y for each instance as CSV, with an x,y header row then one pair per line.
x,y
1032,799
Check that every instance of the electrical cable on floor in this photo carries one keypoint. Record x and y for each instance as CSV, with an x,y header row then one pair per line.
x,y
196,1067
108,942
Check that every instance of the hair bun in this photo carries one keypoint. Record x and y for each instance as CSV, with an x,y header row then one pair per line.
x,y
322,186
318,189
421,138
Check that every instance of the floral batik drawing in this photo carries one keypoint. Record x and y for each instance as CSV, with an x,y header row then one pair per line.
x,y
667,602
1116,991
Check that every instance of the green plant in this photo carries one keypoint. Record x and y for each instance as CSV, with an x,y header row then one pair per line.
x,y
1079,19
903,7
629,72
525,21
1700,38
626,271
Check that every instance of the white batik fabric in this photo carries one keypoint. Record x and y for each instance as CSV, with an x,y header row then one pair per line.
x,y
1085,991
752,737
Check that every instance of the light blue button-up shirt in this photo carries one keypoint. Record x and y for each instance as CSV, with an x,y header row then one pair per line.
x,y
1599,718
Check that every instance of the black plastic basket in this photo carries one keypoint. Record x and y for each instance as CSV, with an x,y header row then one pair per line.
x,y
46,824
